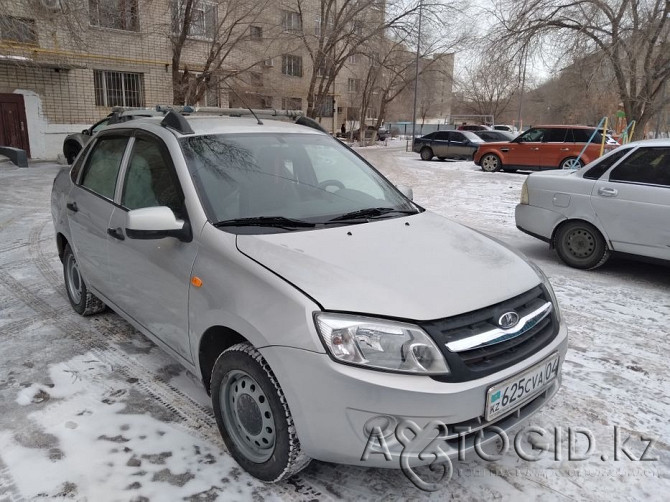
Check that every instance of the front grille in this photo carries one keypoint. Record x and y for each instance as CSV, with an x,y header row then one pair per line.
x,y
485,360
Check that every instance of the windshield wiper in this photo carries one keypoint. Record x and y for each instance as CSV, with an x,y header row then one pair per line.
x,y
371,212
265,221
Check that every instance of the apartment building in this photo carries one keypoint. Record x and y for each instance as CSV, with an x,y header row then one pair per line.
x,y
65,63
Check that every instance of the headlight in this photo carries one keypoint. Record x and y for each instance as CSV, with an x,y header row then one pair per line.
x,y
380,344
547,285
524,192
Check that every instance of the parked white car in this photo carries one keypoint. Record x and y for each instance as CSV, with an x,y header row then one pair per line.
x,y
617,203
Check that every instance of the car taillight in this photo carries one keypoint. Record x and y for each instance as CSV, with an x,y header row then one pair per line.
x,y
524,193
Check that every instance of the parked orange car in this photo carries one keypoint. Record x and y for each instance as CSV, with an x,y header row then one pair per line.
x,y
542,147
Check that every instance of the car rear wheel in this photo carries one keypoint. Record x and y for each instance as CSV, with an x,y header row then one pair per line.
x,y
580,245
82,300
253,415
426,153
490,163
571,163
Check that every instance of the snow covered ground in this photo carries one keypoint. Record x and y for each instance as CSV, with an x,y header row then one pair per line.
x,y
91,410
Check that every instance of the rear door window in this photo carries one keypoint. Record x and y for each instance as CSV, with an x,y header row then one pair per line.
x,y
601,167
554,135
458,137
103,165
442,136
645,165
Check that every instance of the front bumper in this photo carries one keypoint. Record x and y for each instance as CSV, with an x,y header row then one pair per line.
x,y
331,404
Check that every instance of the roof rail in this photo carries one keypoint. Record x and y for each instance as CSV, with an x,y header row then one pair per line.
x,y
176,121
231,112
308,122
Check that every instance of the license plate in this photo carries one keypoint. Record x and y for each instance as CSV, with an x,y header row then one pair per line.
x,y
517,390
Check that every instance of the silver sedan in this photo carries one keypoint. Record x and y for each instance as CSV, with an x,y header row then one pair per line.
x,y
617,203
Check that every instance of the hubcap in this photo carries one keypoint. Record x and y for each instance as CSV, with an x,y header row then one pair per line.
x,y
74,282
489,163
247,416
581,243
571,164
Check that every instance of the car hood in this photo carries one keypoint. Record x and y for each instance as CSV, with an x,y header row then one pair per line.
x,y
419,267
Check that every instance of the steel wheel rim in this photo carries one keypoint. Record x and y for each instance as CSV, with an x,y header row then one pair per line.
x,y
489,163
571,164
74,280
247,416
580,243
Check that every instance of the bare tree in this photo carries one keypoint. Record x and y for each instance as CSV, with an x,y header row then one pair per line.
x,y
346,27
488,85
217,29
19,21
630,35
392,69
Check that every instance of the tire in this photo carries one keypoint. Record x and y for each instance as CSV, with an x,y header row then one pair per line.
x,y
571,163
490,163
426,153
82,300
71,152
580,245
253,415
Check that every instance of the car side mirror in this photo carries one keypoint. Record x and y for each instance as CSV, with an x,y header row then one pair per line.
x,y
86,132
406,191
156,223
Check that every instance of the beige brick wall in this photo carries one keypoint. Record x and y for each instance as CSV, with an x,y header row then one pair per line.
x,y
60,67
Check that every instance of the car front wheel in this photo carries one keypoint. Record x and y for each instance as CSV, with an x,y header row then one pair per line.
x,y
490,163
580,245
82,300
253,415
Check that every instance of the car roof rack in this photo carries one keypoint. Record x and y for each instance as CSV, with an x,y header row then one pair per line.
x,y
176,121
175,116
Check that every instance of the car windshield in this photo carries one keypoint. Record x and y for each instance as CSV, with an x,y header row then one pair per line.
x,y
287,180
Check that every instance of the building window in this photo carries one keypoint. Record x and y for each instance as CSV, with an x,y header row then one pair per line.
x,y
16,29
117,14
266,101
256,79
203,19
291,103
291,21
291,65
354,85
115,88
353,59
256,33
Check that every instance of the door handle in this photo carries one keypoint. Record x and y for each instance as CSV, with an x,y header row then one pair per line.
x,y
564,149
535,149
608,192
72,206
117,233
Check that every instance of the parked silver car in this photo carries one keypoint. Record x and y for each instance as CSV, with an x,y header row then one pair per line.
x,y
316,302
617,203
